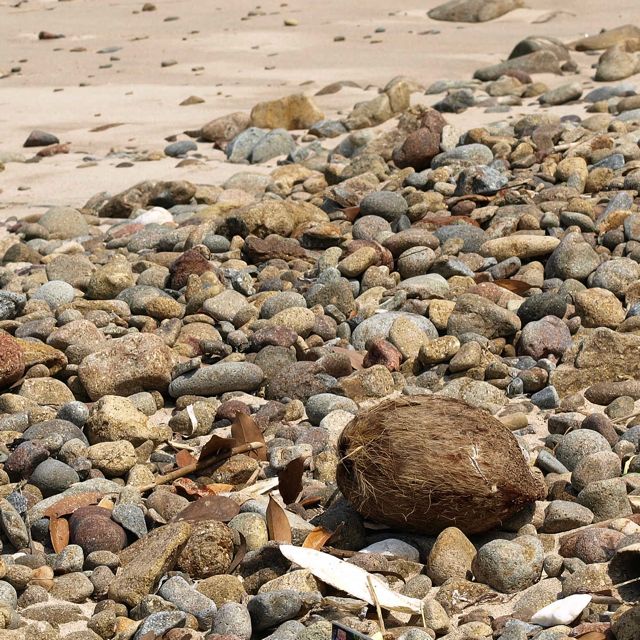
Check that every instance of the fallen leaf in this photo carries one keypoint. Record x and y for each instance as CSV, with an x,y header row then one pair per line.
x,y
592,635
217,487
69,504
106,503
277,522
245,430
317,538
290,480
351,579
192,488
355,357
216,446
184,458
351,213
240,554
59,532
210,507
515,286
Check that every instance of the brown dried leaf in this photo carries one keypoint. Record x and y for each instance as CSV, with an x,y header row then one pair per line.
x,y
104,127
290,480
192,488
184,458
69,504
240,554
277,522
355,357
245,430
59,532
351,213
215,488
216,446
209,508
317,538
106,503
515,286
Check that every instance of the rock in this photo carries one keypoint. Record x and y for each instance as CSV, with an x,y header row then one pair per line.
x,y
419,148
240,147
55,293
110,279
275,143
233,619
157,624
12,363
578,444
548,336
509,566
625,623
72,587
601,465
180,148
605,393
222,589
562,94
607,38
543,61
46,391
561,516
591,545
386,204
379,326
217,379
270,609
476,314
149,192
523,246
466,155
599,308
291,112
114,459
146,561
178,591
209,551
450,557
53,477
222,130
572,258
92,529
473,10
134,363
616,275
606,498
617,63
474,392
64,223
38,138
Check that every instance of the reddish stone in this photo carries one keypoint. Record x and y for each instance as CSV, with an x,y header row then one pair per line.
x,y
228,410
384,353
274,336
11,360
92,529
591,545
418,150
191,261
434,121
24,459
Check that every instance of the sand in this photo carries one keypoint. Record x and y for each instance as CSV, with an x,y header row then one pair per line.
x,y
231,60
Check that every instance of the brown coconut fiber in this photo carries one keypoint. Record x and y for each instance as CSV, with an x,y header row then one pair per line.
x,y
430,462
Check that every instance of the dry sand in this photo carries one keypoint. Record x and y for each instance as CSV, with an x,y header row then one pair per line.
x,y
231,60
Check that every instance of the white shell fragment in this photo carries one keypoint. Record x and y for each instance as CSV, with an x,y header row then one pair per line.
x,y
563,611
349,578
394,547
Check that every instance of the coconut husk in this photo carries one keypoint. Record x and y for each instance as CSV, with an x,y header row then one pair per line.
x,y
430,462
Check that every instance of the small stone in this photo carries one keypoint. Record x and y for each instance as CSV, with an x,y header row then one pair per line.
x,y
561,516
38,138
178,591
270,609
606,498
578,444
450,557
180,148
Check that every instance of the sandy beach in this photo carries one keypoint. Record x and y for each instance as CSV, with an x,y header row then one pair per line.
x,y
107,70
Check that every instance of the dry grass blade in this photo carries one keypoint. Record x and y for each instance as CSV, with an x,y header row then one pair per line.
x,y
290,480
244,430
317,538
278,523
209,508
59,532
216,446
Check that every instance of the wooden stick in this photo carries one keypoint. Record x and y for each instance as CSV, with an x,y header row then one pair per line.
x,y
202,464
374,595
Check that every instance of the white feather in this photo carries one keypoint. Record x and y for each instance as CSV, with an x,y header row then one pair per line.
x,y
350,578
563,611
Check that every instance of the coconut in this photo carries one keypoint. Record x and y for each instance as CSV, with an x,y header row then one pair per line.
x,y
430,462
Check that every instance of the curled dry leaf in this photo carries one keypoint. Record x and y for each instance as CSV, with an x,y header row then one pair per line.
x,y
240,554
277,522
245,430
59,532
209,508
192,488
515,286
216,446
317,538
69,504
290,480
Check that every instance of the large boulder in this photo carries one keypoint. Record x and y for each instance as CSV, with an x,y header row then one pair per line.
x,y
291,112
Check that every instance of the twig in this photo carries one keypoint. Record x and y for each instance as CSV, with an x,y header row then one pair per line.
x,y
374,595
202,464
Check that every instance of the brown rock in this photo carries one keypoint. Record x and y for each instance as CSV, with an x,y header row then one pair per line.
x,y
92,529
11,360
191,261
291,112
418,150
450,557
222,130
208,551
383,353
148,193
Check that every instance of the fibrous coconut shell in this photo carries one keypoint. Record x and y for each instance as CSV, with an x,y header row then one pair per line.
x,y
431,462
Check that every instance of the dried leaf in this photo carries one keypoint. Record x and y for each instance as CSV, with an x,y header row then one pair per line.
x,y
240,554
592,635
351,213
106,503
290,480
515,286
245,430
192,488
310,501
217,445
209,508
277,522
104,127
59,532
215,488
69,504
317,538
184,458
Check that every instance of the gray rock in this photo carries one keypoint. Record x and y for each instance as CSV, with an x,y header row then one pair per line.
x,y
52,477
275,143
606,498
602,465
509,566
473,10
75,412
69,560
180,148
239,149
233,618
379,325
543,61
572,258
576,445
178,591
385,204
131,517
8,595
477,314
217,379
55,293
320,405
270,609
562,94
466,155
281,301
546,398
159,623
562,515
480,180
